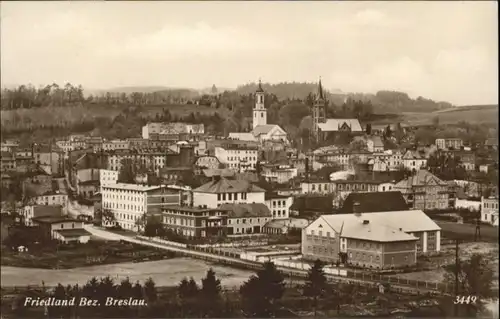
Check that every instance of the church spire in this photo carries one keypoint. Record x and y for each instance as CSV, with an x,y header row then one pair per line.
x,y
259,89
320,95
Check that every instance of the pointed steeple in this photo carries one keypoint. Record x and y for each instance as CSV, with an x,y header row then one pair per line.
x,y
259,89
320,95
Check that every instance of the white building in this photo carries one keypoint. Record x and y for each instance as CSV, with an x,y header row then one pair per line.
x,y
165,130
386,161
107,176
246,219
237,157
279,205
449,143
129,202
412,160
227,191
278,173
489,210
150,158
261,131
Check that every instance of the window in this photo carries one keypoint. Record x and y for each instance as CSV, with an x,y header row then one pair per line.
x,y
261,114
230,196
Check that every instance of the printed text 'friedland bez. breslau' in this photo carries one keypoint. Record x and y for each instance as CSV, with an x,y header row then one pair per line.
x,y
82,302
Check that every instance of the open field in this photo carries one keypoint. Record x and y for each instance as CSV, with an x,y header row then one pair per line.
x,y
164,273
487,114
466,231
472,114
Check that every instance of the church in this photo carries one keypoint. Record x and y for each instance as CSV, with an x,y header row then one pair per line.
x,y
261,131
322,128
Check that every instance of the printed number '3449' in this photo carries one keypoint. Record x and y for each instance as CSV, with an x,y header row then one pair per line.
x,y
461,300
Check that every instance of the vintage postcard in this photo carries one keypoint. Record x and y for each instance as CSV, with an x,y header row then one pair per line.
x,y
264,159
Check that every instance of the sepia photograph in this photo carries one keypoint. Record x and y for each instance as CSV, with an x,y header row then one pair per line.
x,y
249,159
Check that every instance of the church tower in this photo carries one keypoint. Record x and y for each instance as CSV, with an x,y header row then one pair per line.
x,y
259,110
318,111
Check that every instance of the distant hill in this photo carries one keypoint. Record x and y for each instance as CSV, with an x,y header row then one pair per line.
x,y
382,101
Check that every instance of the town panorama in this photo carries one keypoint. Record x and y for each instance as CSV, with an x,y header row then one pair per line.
x,y
276,198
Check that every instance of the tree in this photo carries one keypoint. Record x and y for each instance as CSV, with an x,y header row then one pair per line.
x,y
154,227
261,292
368,129
316,283
475,278
107,217
127,172
150,290
210,294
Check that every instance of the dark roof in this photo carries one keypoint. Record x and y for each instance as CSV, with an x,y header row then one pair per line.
x,y
89,182
246,210
224,185
76,232
317,203
53,219
374,202
273,195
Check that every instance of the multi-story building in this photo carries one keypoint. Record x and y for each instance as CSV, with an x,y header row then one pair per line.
x,y
107,176
53,198
425,191
153,159
224,190
8,161
377,240
279,205
87,182
246,219
195,221
317,186
466,158
116,145
449,143
237,157
387,161
130,202
489,210
278,173
414,161
172,131
50,158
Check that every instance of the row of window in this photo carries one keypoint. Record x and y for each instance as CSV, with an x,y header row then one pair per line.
x,y
278,213
113,205
230,196
490,205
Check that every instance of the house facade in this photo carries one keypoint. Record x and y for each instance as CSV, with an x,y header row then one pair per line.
x,y
195,222
227,191
425,191
489,210
130,202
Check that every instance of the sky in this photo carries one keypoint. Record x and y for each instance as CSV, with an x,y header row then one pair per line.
x,y
447,51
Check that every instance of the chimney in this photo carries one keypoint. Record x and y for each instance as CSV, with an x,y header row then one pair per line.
x,y
366,222
355,209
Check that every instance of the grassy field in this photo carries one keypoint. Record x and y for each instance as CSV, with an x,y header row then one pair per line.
x,y
472,114
466,231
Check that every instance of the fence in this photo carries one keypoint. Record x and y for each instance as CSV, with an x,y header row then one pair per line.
x,y
415,284
252,262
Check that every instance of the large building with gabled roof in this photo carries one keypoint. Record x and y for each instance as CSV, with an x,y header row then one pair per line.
x,y
390,239
322,126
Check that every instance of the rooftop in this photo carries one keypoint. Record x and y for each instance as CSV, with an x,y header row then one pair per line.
x,y
374,202
132,187
407,220
224,185
190,209
421,178
53,219
374,232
